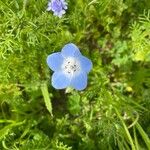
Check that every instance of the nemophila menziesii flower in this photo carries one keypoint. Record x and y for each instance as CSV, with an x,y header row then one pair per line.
x,y
70,68
58,7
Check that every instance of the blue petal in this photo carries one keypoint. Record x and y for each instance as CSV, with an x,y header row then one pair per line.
x,y
70,50
54,61
79,82
86,64
60,80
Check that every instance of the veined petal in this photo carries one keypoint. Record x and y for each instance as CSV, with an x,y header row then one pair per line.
x,y
60,80
54,61
86,64
79,82
70,50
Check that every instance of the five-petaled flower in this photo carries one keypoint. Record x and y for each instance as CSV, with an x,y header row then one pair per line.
x,y
70,68
58,7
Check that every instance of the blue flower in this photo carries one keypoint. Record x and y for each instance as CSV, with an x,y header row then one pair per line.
x,y
58,7
70,68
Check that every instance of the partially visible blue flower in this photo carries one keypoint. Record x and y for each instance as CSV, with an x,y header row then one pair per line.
x,y
58,7
70,68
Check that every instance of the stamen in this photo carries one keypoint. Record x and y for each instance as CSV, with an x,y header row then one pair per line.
x,y
71,66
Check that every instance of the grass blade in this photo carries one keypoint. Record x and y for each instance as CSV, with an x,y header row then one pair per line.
x,y
144,135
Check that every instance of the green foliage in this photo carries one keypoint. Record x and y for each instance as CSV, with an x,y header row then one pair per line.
x,y
112,112
140,38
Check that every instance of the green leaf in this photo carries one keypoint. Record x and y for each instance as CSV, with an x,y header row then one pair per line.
x,y
46,96
144,135
4,131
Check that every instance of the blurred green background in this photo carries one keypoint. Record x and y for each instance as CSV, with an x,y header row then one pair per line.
x,y
112,113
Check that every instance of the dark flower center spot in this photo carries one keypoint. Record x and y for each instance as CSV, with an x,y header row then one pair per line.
x,y
70,67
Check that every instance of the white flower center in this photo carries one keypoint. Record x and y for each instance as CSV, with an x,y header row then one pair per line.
x,y
71,66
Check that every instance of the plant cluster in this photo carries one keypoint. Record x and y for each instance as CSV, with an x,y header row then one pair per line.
x,y
112,113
